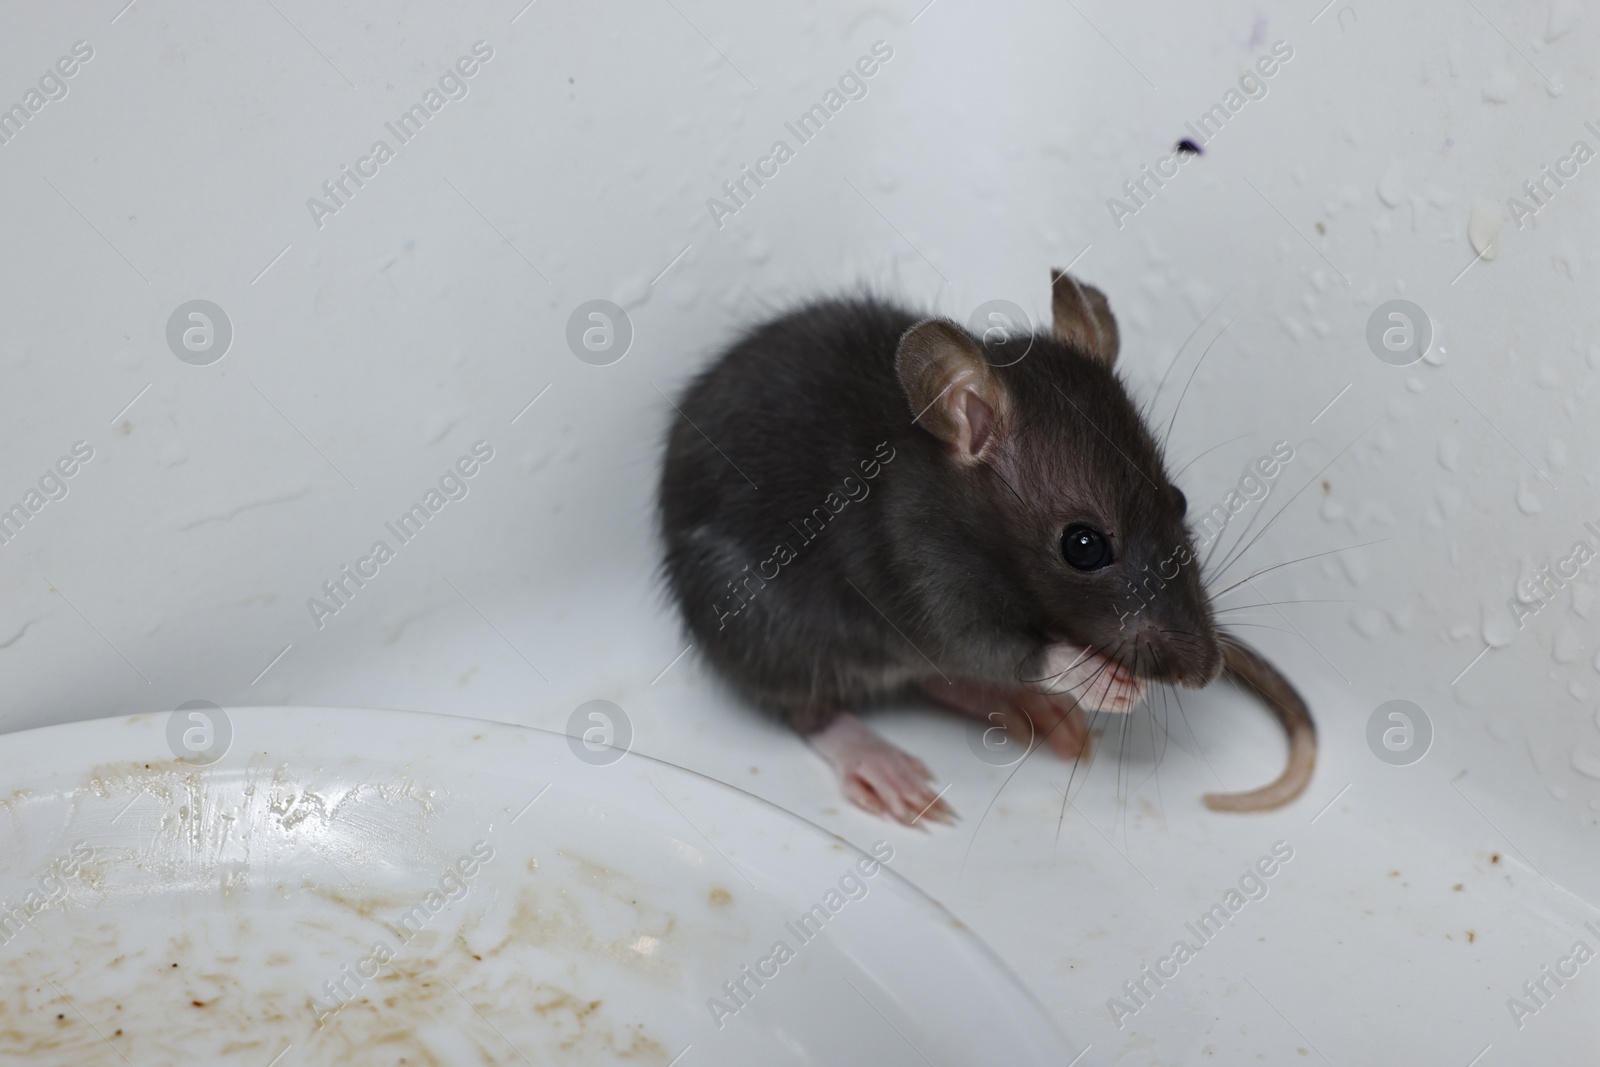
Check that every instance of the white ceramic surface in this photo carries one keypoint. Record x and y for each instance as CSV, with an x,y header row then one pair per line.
x,y
365,887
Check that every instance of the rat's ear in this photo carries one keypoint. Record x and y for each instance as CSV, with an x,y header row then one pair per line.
x,y
1083,317
955,395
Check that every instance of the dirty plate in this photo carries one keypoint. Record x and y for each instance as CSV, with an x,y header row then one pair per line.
x,y
365,887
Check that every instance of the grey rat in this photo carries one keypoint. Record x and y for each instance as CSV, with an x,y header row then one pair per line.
x,y
857,502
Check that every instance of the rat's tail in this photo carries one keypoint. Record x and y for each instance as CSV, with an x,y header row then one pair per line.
x,y
1246,667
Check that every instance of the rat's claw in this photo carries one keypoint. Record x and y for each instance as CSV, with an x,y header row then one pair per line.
x,y
888,780
862,795
879,777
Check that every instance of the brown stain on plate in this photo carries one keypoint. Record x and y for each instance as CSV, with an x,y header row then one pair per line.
x,y
178,949
226,987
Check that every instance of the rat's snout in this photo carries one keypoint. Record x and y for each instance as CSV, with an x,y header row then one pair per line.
x,y
1165,628
1206,669
1173,651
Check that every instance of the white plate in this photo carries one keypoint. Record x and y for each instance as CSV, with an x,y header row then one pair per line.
x,y
483,895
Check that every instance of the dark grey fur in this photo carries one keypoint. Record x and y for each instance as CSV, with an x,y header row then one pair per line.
x,y
941,569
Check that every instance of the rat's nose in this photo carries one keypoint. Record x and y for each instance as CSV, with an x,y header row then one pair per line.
x,y
1175,651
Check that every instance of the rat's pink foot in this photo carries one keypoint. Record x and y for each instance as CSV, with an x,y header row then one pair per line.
x,y
1094,681
1024,713
878,776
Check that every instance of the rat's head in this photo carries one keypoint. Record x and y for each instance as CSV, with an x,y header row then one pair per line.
x,y
1063,488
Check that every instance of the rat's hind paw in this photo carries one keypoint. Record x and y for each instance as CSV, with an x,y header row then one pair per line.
x,y
877,776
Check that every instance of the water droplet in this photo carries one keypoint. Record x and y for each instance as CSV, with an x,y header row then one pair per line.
x,y
1585,764
1527,573
632,292
1527,500
440,423
1563,16
1539,757
1389,190
1368,622
1498,629
1500,85
1567,646
1355,566
1483,229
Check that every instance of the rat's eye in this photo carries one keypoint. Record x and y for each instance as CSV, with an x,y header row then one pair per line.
x,y
1085,548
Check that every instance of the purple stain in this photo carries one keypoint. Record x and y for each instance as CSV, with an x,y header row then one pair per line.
x,y
1258,31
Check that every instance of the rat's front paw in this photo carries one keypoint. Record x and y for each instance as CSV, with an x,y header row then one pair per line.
x,y
1096,682
878,776
1023,714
